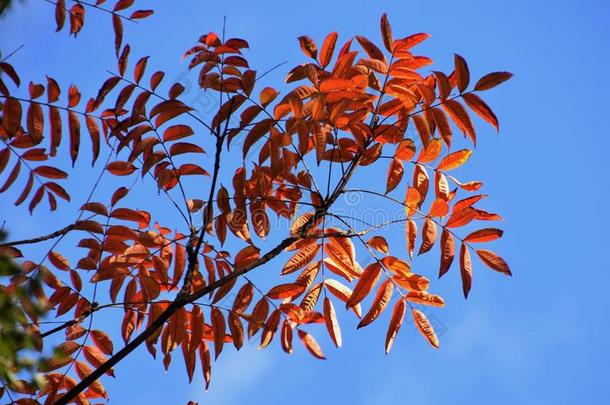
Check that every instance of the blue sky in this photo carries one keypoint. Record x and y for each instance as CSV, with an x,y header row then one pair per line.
x,y
539,337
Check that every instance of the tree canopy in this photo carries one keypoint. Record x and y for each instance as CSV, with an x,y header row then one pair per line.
x,y
254,186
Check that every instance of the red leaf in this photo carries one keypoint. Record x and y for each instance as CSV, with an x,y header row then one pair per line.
x,y
491,80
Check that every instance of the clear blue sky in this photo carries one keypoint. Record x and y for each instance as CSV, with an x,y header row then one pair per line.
x,y
540,337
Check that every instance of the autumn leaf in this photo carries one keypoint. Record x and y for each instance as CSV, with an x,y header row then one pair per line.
x,y
381,300
308,46
395,172
465,269
119,168
477,105
454,160
378,243
395,323
332,324
484,235
493,261
491,80
424,327
365,284
311,344
462,73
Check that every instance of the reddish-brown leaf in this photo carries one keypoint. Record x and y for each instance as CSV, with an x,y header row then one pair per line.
x,y
120,168
462,74
219,327
386,33
477,105
308,46
447,252
459,115
176,132
465,269
494,261
370,48
395,323
491,80
102,341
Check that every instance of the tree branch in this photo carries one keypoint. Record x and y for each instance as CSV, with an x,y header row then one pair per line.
x,y
53,235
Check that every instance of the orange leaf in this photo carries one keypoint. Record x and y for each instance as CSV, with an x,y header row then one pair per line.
x,y
484,235
59,261
405,150
425,298
289,290
461,217
494,261
409,42
395,323
342,292
378,243
102,341
365,284
286,337
412,200
332,324
267,95
328,47
431,152
395,173
383,297
301,258
454,160
330,85
411,237
386,33
397,265
439,208
246,256
370,48
428,236
311,345
424,327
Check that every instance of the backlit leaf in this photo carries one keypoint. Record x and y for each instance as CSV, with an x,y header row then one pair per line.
x,y
424,327
494,261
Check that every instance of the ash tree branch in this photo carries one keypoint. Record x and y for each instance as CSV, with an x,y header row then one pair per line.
x,y
185,299
43,238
